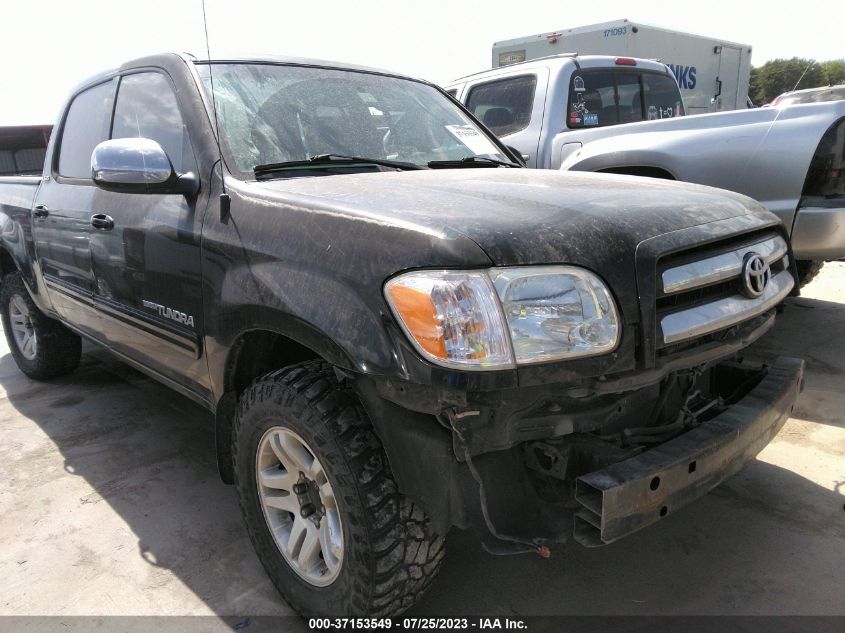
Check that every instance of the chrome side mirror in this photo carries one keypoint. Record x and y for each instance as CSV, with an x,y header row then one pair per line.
x,y
138,165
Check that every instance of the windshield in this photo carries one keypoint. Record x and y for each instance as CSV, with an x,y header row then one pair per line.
x,y
270,113
608,97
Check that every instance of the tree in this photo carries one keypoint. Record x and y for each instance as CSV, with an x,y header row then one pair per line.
x,y
834,71
781,75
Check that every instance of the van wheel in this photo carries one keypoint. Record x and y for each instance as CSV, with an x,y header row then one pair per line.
x,y
320,504
42,347
807,270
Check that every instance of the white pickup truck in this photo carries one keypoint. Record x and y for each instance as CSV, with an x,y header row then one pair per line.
x,y
789,158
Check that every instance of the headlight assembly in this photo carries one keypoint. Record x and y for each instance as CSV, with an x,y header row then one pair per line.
x,y
556,312
503,317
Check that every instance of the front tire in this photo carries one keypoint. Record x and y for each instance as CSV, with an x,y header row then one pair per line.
x,y
42,347
807,270
320,504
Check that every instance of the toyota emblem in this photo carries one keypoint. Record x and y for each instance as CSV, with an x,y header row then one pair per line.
x,y
756,274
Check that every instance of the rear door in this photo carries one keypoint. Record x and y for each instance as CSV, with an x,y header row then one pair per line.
x,y
61,219
146,256
728,78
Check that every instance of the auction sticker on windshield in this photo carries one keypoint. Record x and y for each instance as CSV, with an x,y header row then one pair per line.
x,y
473,139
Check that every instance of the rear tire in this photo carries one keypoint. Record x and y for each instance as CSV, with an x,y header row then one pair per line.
x,y
42,347
389,554
807,270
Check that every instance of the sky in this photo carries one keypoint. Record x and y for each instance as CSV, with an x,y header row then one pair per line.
x,y
47,47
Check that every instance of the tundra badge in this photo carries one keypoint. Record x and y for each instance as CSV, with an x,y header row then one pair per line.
x,y
170,313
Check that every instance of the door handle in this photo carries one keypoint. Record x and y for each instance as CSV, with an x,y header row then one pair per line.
x,y
102,221
40,211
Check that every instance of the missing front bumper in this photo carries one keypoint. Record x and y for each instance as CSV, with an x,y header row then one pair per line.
x,y
632,494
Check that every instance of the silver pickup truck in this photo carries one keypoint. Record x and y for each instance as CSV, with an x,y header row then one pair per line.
x,y
791,158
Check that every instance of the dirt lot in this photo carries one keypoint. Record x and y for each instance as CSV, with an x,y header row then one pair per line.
x,y
110,504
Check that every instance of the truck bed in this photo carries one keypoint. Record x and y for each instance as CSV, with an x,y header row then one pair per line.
x,y
17,194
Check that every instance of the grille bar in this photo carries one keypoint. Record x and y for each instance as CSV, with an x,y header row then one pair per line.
x,y
722,314
717,268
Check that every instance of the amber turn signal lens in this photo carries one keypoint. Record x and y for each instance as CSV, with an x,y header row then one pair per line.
x,y
453,318
420,317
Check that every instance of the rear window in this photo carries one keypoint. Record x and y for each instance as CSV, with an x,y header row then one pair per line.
x,y
85,126
505,105
598,98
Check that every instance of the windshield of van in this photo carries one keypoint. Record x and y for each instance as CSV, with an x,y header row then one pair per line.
x,y
271,114
598,98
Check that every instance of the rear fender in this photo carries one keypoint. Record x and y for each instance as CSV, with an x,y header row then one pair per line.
x,y
16,240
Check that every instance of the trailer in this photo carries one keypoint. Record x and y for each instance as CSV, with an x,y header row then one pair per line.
x,y
713,74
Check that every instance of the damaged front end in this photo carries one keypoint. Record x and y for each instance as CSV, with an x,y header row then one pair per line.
x,y
603,484
600,447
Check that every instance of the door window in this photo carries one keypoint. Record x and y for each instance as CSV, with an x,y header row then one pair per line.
x,y
85,126
505,105
147,108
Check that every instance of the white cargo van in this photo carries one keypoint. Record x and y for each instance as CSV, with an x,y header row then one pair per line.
x,y
536,106
713,74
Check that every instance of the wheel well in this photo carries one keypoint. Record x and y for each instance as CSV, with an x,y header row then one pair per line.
x,y
259,352
254,354
7,264
639,170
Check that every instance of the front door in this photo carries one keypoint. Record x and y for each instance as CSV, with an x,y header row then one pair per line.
x,y
146,248
512,108
729,78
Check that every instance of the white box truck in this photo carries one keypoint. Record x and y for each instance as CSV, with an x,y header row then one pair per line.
x,y
712,74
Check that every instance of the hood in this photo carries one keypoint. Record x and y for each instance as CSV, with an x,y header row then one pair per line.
x,y
520,216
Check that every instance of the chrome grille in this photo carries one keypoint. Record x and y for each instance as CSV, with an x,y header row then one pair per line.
x,y
711,270
706,295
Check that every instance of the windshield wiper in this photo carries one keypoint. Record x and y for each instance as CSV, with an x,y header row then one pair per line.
x,y
332,159
472,161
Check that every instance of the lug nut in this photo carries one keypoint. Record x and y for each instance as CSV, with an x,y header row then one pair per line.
x,y
300,488
307,510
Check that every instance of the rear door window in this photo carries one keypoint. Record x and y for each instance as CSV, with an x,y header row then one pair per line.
x,y
599,98
85,126
504,105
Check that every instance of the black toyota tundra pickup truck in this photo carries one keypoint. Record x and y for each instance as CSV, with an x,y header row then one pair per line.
x,y
398,328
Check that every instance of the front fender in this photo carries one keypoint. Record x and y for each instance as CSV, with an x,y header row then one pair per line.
x,y
319,302
309,307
